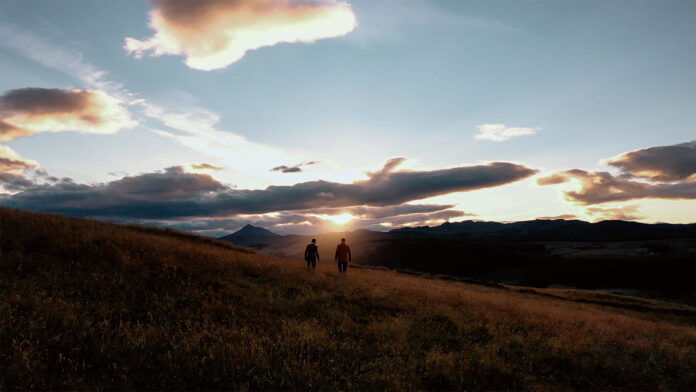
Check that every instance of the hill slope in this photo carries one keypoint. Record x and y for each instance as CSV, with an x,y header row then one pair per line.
x,y
89,305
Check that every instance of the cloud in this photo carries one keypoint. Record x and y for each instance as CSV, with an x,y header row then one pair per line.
x,y
602,187
626,213
292,169
366,212
286,169
29,111
213,34
14,182
661,163
556,178
501,133
196,130
13,170
176,193
662,172
11,162
205,166
60,58
562,216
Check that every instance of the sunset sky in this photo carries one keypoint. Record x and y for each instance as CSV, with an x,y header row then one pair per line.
x,y
317,115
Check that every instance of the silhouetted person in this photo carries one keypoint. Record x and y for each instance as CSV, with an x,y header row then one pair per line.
x,y
343,255
311,254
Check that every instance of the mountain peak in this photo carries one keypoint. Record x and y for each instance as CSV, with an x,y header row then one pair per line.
x,y
254,230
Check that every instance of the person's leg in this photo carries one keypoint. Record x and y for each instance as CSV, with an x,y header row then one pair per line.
x,y
314,264
344,265
339,267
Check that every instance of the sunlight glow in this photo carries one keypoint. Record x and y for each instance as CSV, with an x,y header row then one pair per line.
x,y
340,219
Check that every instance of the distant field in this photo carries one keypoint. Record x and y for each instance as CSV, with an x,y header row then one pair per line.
x,y
89,305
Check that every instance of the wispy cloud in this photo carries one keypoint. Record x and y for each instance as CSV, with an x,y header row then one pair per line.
x,y
213,34
59,58
501,133
205,167
196,128
562,216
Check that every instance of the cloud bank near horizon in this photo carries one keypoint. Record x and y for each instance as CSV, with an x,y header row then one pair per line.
x,y
28,111
315,221
213,34
175,193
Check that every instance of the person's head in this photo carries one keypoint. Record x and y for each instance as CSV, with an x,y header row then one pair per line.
x,y
314,240
343,240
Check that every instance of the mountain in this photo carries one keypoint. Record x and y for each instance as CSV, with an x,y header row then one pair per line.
x,y
250,230
559,230
252,236
122,307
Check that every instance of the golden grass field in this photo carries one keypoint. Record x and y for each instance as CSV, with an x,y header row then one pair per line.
x,y
90,305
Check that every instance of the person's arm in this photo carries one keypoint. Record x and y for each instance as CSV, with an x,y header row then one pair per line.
x,y
306,252
350,257
316,249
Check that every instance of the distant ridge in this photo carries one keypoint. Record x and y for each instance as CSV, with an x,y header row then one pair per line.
x,y
559,229
250,230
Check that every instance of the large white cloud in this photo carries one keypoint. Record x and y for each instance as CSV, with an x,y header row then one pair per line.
x,y
213,34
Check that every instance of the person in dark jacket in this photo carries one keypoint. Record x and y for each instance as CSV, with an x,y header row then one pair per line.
x,y
311,254
343,255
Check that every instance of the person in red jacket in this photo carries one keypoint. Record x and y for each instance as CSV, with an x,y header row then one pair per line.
x,y
343,255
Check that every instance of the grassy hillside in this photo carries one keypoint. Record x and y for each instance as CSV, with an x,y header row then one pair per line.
x,y
102,306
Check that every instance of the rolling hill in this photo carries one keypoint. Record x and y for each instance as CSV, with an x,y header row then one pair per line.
x,y
561,230
92,305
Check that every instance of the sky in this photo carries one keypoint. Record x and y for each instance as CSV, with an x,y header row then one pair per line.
x,y
305,116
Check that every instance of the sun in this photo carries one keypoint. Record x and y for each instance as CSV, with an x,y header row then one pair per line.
x,y
340,219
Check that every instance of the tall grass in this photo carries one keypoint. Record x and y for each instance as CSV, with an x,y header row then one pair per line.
x,y
89,305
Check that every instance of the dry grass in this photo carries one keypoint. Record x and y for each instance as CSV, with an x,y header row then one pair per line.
x,y
88,305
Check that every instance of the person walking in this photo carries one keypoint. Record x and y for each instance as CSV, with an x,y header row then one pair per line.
x,y
343,255
311,254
